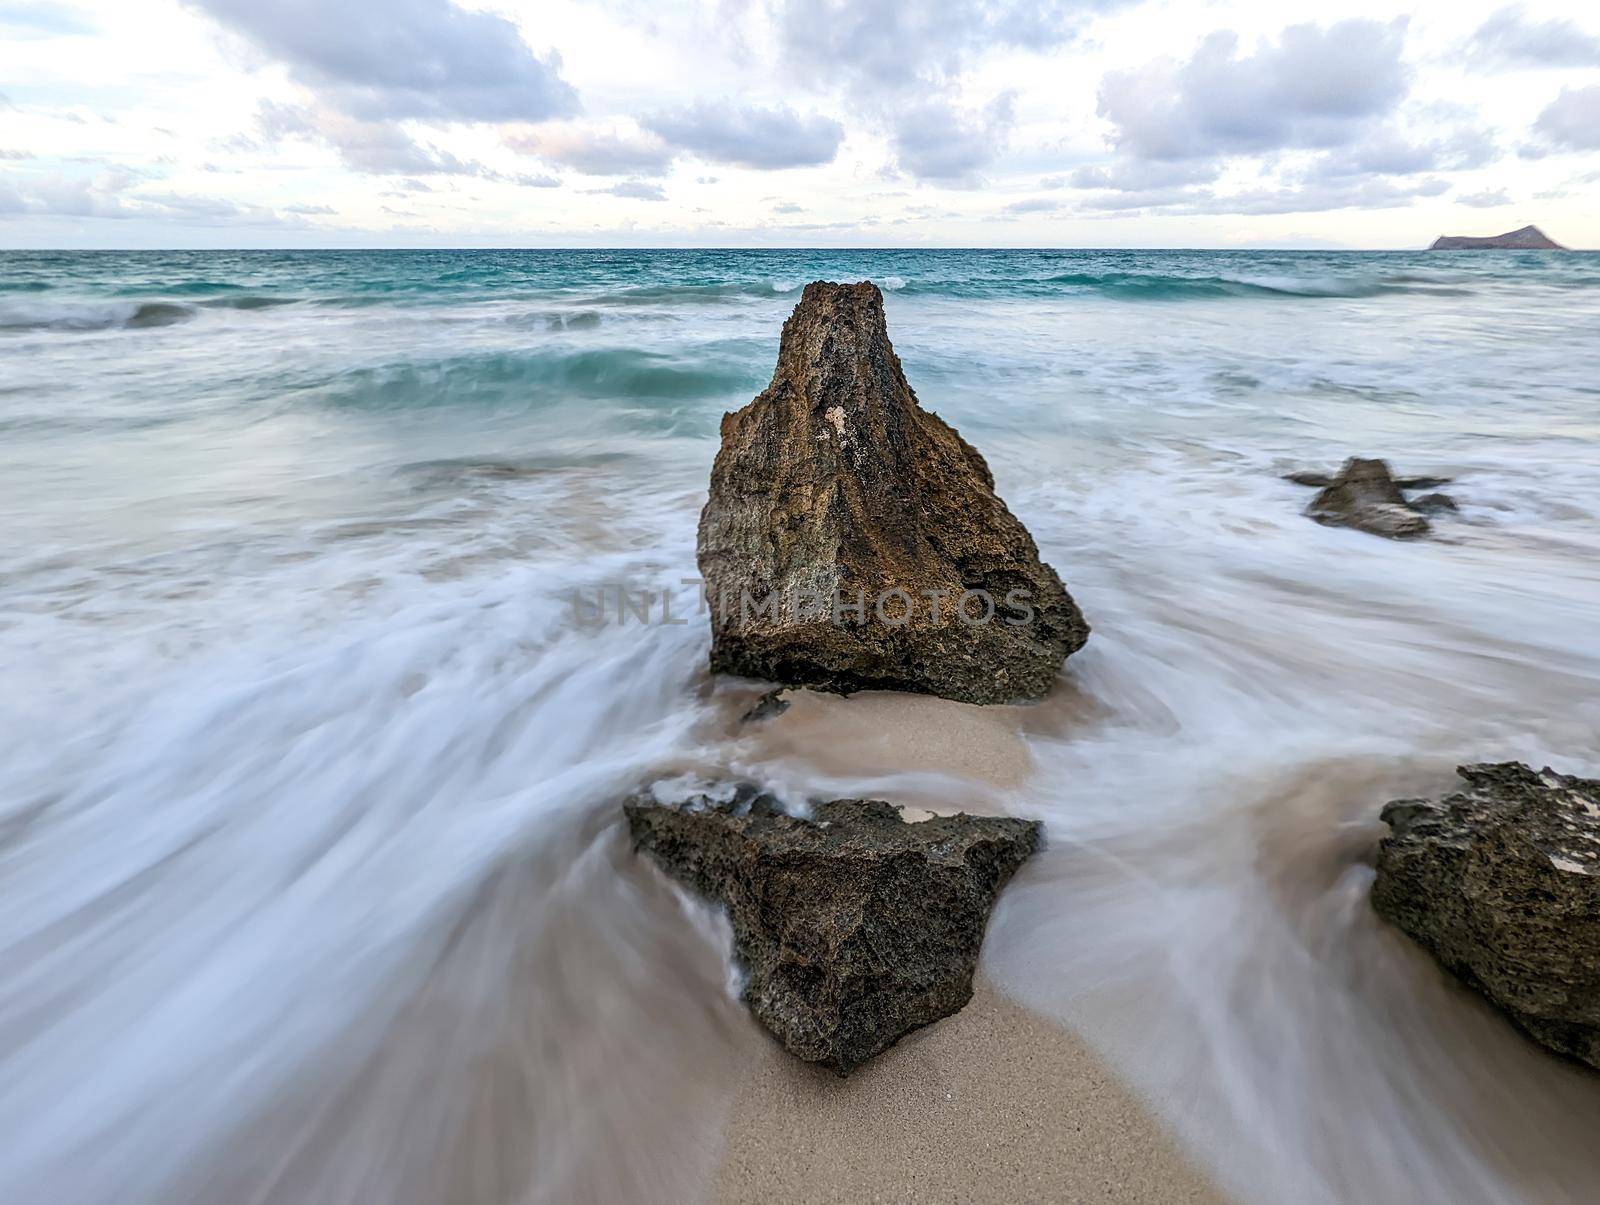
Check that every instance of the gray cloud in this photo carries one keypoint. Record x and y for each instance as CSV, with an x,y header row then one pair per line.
x,y
750,136
874,45
1488,199
17,155
1387,153
934,141
1315,87
1033,205
1572,120
638,190
382,60
595,151
1510,38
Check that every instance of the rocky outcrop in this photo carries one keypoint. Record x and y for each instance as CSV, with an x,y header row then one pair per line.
x,y
852,926
853,540
1501,883
1529,238
1366,496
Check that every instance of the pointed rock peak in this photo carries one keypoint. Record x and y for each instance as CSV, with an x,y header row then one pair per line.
x,y
853,540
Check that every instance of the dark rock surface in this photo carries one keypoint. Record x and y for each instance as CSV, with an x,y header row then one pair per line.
x,y
1529,238
834,486
1435,504
853,927
1365,496
768,705
1501,883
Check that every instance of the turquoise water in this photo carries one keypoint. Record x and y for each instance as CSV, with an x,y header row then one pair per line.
x,y
307,775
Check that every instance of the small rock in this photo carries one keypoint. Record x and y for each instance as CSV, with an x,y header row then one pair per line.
x,y
1501,883
1319,481
1365,496
1434,504
852,926
768,705
1422,483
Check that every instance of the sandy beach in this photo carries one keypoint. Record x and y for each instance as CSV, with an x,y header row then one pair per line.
x,y
992,1104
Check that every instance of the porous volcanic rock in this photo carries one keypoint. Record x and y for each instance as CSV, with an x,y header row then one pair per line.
x,y
1365,496
1501,883
832,490
853,927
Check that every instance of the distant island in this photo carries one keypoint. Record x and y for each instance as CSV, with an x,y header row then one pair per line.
x,y
1529,238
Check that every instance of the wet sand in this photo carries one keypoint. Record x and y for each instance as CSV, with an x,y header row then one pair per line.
x,y
992,1104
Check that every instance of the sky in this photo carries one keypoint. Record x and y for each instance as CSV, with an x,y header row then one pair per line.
x,y
1034,123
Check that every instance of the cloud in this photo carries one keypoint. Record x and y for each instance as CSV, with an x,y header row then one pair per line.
x,y
309,210
17,155
934,141
1033,205
1138,175
1509,38
751,136
595,150
879,45
31,19
1572,120
374,147
386,60
107,195
1488,199
1388,153
638,190
1315,88
1303,197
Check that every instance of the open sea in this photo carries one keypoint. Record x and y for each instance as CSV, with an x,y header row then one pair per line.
x,y
312,882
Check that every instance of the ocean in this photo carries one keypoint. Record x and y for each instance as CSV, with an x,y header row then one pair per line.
x,y
312,885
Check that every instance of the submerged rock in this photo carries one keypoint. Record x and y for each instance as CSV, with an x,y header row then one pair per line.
x,y
853,927
1435,504
768,705
853,540
1501,883
1365,496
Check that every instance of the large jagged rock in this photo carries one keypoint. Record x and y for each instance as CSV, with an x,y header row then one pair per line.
x,y
1365,496
853,927
834,487
1529,238
1501,883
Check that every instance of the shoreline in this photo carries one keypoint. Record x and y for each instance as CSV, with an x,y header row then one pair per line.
x,y
994,1103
